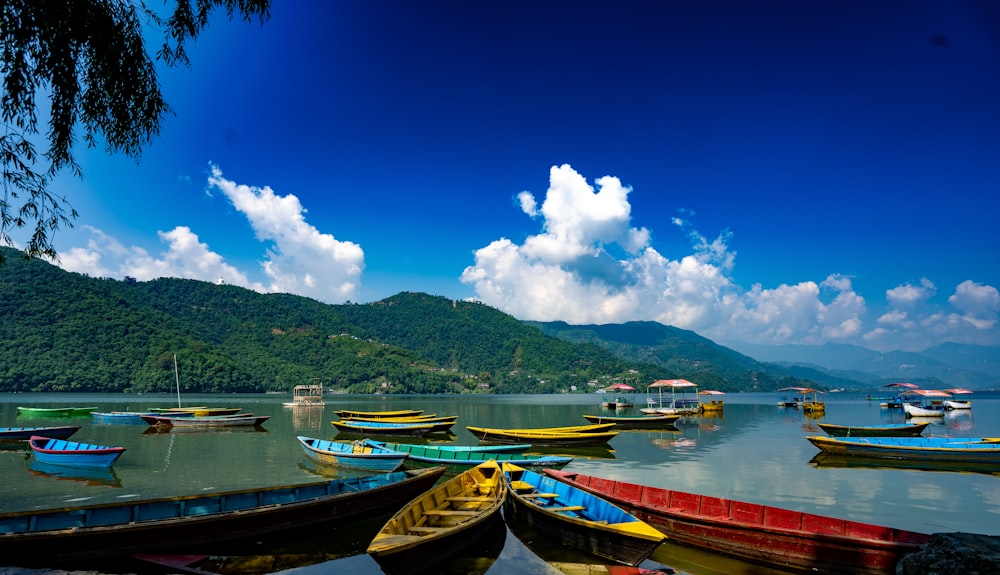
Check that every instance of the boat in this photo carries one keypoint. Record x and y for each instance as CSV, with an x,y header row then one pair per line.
x,y
792,396
122,417
465,458
309,395
772,536
25,433
414,419
618,401
924,402
829,460
384,428
710,401
123,528
955,403
680,401
62,452
894,399
439,424
813,405
963,449
543,437
53,411
201,411
355,455
441,522
635,421
345,413
239,420
577,518
883,430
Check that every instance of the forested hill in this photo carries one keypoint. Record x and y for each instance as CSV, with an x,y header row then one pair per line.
x,y
61,331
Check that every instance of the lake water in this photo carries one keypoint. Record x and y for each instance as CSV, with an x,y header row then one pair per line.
x,y
755,452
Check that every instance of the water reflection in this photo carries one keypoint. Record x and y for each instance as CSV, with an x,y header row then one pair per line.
x,y
91,476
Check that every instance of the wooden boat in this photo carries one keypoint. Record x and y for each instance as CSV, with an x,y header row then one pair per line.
x,y
441,522
440,424
239,420
141,526
466,458
62,452
345,413
26,433
53,411
680,401
591,428
122,417
618,401
813,405
924,402
884,430
710,401
196,411
497,448
963,449
309,395
352,455
635,421
414,419
956,403
384,428
830,460
577,518
543,437
773,536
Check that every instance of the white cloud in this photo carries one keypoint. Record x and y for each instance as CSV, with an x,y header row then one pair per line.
x,y
299,259
589,264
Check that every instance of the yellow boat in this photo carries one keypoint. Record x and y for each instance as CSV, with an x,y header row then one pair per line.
x,y
550,437
441,522
414,419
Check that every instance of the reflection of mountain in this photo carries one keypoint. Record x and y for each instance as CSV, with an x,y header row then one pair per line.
x,y
829,460
97,476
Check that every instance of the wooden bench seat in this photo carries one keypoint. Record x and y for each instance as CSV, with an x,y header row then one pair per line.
x,y
568,508
546,495
425,529
469,499
449,512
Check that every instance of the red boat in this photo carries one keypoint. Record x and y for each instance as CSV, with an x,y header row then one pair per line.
x,y
773,536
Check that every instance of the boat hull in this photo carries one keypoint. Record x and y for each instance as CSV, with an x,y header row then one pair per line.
x,y
248,420
346,413
958,449
26,433
68,453
351,456
577,518
122,529
889,430
430,455
383,428
635,422
547,437
772,536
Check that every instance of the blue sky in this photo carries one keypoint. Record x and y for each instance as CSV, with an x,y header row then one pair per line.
x,y
770,172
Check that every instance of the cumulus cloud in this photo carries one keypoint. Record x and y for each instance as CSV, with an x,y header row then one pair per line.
x,y
590,264
298,259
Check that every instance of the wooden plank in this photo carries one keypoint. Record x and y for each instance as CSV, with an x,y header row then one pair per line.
x,y
547,495
469,499
449,512
427,529
568,508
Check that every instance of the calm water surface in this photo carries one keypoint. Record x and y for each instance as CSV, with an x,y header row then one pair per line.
x,y
756,452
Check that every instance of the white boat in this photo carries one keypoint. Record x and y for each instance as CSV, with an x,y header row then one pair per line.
x,y
680,401
924,402
955,403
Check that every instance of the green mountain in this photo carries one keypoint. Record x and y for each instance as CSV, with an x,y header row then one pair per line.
x,y
61,331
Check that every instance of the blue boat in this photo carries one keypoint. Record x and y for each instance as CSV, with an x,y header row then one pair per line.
x,y
25,433
119,417
577,518
466,459
383,428
113,531
352,455
62,452
963,449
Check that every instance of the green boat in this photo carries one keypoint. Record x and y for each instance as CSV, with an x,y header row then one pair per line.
x,y
54,411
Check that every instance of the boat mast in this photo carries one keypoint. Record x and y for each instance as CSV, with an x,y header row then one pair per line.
x,y
177,378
